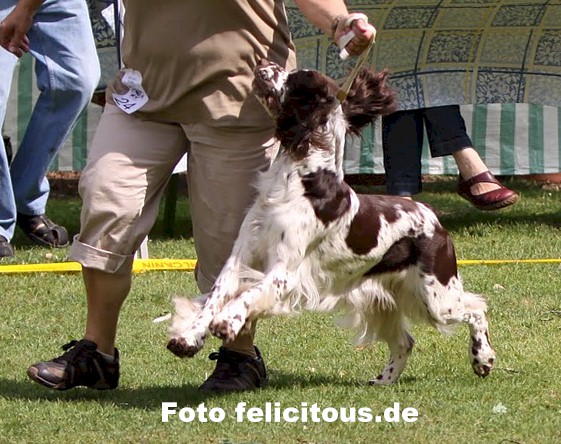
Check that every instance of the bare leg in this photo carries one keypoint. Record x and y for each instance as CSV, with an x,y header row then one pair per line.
x,y
243,343
470,164
106,293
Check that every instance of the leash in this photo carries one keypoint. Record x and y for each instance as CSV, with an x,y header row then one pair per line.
x,y
117,18
346,86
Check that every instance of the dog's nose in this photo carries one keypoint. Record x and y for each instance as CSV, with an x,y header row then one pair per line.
x,y
260,68
263,73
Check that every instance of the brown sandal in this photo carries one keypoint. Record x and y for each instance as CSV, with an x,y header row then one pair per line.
x,y
43,231
6,249
492,200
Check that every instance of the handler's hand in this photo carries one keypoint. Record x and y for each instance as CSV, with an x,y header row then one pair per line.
x,y
13,31
364,33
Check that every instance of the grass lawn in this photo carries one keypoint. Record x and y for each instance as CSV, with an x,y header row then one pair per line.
x,y
309,361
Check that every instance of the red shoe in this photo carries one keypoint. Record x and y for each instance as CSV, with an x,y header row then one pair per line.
x,y
492,200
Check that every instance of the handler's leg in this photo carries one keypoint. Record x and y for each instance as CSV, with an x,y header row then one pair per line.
x,y
128,167
67,72
402,142
223,164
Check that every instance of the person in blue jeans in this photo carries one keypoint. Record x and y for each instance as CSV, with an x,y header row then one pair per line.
x,y
58,34
402,140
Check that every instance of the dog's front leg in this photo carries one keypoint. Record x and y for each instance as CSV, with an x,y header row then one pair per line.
x,y
188,341
259,299
267,296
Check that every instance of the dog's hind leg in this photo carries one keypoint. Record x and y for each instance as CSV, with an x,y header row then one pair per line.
x,y
481,353
391,329
453,305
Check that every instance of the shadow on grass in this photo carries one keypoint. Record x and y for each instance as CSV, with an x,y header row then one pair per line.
x,y
151,398
455,218
456,213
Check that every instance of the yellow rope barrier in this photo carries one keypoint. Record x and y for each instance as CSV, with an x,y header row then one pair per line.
x,y
142,265
139,266
507,261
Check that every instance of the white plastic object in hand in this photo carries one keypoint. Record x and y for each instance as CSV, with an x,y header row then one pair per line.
x,y
344,41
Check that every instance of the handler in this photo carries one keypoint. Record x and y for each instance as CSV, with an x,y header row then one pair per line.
x,y
186,89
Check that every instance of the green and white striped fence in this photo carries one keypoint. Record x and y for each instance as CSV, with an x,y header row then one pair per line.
x,y
438,52
513,139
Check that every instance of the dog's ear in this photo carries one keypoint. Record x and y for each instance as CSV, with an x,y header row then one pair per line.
x,y
369,98
309,101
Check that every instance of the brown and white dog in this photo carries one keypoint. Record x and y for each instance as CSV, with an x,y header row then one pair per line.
x,y
310,242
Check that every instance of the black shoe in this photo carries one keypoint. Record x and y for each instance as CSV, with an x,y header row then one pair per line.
x,y
6,249
81,365
43,231
235,372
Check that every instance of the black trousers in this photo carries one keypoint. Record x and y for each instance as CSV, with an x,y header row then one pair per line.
x,y
402,138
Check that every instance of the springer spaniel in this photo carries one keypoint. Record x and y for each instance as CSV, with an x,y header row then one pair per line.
x,y
309,242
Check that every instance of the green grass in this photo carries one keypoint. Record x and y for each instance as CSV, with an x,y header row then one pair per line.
x,y
309,361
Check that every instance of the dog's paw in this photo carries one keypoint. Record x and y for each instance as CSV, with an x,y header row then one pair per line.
x,y
481,370
384,379
482,356
183,348
482,365
225,327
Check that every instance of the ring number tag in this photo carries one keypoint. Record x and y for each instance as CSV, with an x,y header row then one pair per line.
x,y
135,98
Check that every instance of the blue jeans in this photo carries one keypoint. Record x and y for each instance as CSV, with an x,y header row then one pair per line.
x,y
67,72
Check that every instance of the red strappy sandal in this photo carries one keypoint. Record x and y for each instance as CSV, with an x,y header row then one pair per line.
x,y
492,200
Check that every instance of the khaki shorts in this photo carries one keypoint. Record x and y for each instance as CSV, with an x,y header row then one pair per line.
x,y
129,164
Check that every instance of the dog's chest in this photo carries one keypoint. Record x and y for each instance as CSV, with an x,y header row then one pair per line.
x,y
299,203
281,203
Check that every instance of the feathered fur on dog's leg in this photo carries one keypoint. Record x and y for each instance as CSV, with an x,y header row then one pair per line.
x,y
260,298
186,310
391,328
190,340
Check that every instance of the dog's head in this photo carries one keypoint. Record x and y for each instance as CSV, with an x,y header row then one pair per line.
x,y
303,101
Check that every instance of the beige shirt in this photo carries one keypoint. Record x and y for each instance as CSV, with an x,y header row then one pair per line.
x,y
197,57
